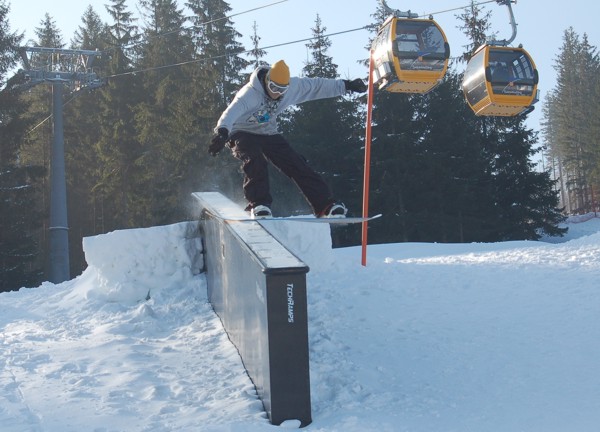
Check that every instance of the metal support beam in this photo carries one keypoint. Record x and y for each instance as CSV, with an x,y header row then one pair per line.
x,y
59,231
398,13
513,25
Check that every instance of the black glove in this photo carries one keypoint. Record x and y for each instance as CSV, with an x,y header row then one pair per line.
x,y
218,141
355,86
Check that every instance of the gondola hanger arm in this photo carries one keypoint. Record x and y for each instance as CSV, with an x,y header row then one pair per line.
x,y
513,24
398,13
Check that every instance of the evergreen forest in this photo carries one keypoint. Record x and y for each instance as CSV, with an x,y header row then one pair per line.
x,y
136,147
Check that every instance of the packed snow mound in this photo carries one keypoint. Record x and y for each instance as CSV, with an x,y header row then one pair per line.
x,y
579,226
129,266
131,345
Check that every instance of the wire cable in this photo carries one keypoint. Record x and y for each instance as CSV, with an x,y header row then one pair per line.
x,y
367,27
232,54
457,8
196,26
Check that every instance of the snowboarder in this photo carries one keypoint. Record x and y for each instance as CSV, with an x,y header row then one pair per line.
x,y
249,127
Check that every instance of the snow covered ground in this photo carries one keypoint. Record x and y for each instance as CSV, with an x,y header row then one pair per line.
x,y
497,337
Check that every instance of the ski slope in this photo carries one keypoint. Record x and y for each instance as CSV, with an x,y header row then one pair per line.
x,y
498,337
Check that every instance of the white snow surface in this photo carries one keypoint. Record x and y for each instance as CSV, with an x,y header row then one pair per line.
x,y
500,337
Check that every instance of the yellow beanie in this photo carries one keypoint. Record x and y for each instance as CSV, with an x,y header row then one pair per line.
x,y
280,73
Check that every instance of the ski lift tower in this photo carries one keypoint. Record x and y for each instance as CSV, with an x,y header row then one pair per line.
x,y
60,68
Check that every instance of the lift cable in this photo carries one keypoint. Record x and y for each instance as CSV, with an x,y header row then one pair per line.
x,y
458,8
196,26
233,53
367,27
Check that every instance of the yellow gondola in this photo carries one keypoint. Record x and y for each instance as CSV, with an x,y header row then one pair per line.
x,y
501,80
410,55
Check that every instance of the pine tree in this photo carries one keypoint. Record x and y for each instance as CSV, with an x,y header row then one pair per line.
x,y
219,74
91,34
81,133
574,137
524,201
36,148
165,117
476,24
48,35
117,147
217,44
20,218
553,154
257,53
437,174
453,166
396,175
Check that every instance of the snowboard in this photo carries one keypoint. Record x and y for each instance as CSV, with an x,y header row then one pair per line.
x,y
331,221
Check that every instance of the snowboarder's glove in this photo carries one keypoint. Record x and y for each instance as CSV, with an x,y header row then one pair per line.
x,y
218,141
355,86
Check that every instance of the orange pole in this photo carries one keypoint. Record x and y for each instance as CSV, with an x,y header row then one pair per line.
x,y
367,171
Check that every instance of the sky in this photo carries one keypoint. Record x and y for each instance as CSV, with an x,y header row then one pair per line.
x,y
486,337
541,25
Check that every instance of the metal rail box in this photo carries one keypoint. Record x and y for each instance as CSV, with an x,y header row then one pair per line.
x,y
258,289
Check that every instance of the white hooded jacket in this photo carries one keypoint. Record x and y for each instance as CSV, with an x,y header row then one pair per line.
x,y
253,111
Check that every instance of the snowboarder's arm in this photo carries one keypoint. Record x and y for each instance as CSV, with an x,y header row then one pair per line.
x,y
308,89
319,88
241,104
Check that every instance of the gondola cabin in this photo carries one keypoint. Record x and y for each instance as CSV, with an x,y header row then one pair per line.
x,y
409,55
500,81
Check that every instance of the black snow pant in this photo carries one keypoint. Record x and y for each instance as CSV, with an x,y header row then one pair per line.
x,y
254,151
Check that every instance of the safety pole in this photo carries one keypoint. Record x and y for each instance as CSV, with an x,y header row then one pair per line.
x,y
367,170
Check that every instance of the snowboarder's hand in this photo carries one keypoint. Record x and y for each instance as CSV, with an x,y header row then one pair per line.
x,y
218,141
355,86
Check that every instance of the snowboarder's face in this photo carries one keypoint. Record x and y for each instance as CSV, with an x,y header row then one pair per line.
x,y
275,90
273,95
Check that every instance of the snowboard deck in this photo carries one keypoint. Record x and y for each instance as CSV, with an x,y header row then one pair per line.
x,y
334,221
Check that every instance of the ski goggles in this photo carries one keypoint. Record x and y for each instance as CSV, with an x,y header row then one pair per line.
x,y
276,88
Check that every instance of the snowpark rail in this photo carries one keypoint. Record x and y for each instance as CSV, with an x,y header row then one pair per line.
x,y
257,287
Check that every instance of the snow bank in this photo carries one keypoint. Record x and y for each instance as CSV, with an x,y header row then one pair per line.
x,y
581,218
131,345
578,225
132,265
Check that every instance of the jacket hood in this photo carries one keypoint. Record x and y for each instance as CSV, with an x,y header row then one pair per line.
x,y
257,78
